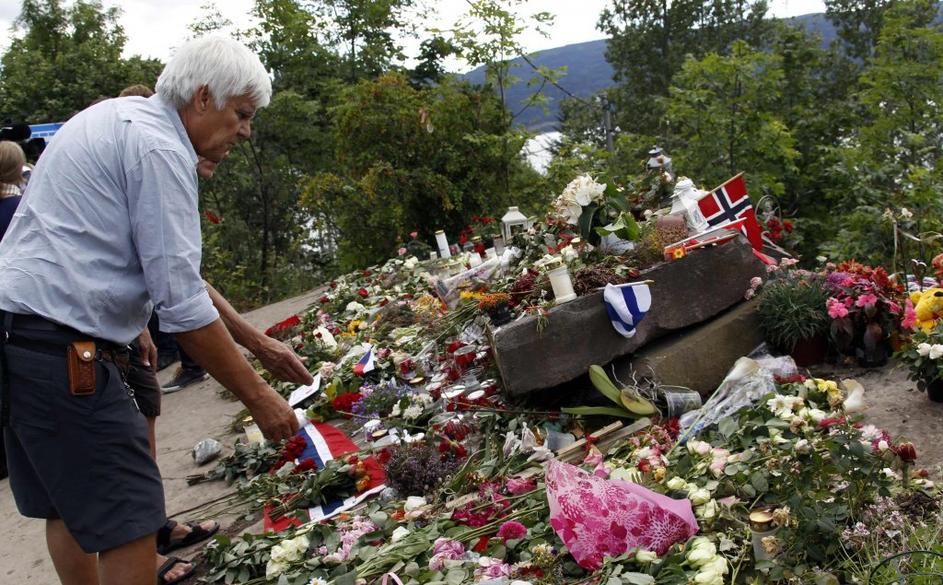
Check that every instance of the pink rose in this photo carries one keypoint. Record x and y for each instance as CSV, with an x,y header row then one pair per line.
x,y
520,486
512,530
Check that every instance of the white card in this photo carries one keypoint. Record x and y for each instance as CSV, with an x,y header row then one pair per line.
x,y
303,392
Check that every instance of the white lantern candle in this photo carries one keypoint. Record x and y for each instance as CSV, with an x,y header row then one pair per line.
x,y
560,281
474,259
443,243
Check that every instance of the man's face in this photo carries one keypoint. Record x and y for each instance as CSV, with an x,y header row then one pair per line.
x,y
214,132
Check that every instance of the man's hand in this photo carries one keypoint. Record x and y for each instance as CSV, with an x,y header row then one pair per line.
x,y
148,349
275,418
281,361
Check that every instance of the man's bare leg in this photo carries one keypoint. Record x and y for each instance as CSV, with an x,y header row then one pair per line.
x,y
129,564
74,566
180,569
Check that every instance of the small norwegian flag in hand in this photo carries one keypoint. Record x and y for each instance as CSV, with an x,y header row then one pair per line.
x,y
730,203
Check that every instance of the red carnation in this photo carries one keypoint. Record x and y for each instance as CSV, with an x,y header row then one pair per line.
x,y
345,402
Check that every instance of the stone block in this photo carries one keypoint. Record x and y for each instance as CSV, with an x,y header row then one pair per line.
x,y
685,292
698,357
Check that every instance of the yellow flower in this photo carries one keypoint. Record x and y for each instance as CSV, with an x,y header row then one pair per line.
x,y
354,325
826,385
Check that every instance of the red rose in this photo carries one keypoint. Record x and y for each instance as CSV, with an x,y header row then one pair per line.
x,y
324,299
212,217
363,293
906,451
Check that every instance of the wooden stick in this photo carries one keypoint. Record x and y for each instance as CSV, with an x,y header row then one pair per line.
x,y
727,181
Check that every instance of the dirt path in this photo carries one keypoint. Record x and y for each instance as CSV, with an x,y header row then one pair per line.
x,y
895,405
187,417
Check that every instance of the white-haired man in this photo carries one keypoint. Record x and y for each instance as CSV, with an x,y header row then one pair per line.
x,y
109,226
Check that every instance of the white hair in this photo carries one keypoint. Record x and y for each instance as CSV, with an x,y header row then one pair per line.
x,y
226,66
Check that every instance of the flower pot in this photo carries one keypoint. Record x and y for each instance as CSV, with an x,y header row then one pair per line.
x,y
935,391
809,352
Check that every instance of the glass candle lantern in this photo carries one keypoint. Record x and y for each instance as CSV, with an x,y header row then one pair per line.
x,y
513,222
443,244
560,281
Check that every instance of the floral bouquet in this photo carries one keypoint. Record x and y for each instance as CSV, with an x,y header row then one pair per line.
x,y
865,307
596,209
924,359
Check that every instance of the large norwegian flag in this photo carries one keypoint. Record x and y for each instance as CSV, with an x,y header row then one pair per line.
x,y
731,203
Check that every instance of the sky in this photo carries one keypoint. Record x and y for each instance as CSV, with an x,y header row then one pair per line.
x,y
155,27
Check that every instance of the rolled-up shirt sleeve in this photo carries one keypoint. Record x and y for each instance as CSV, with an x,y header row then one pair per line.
x,y
165,225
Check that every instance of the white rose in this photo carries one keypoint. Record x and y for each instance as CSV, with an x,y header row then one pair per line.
x,y
279,554
355,307
400,533
411,263
718,564
699,496
906,213
569,254
414,503
923,349
702,550
676,483
709,510
708,578
273,569
646,556
883,446
816,415
803,446
936,350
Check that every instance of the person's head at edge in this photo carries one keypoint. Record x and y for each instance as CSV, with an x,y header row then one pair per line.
x,y
12,161
138,90
216,84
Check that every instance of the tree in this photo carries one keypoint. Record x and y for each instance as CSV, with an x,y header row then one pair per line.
x,y
859,22
411,159
725,112
67,57
364,30
650,40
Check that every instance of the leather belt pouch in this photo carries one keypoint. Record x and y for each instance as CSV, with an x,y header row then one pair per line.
x,y
81,358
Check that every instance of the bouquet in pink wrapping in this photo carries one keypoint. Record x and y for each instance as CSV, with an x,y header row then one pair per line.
x,y
597,517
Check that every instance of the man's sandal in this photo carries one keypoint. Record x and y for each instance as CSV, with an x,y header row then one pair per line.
x,y
169,564
197,534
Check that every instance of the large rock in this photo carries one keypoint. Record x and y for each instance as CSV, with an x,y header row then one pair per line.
x,y
578,333
698,357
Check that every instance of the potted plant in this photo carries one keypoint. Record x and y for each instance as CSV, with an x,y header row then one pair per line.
x,y
793,316
924,360
496,306
865,307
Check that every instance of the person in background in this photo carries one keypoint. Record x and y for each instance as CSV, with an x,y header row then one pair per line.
x,y
12,162
110,225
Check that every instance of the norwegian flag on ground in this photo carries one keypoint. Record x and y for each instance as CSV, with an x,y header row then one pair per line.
x,y
731,203
324,442
365,365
